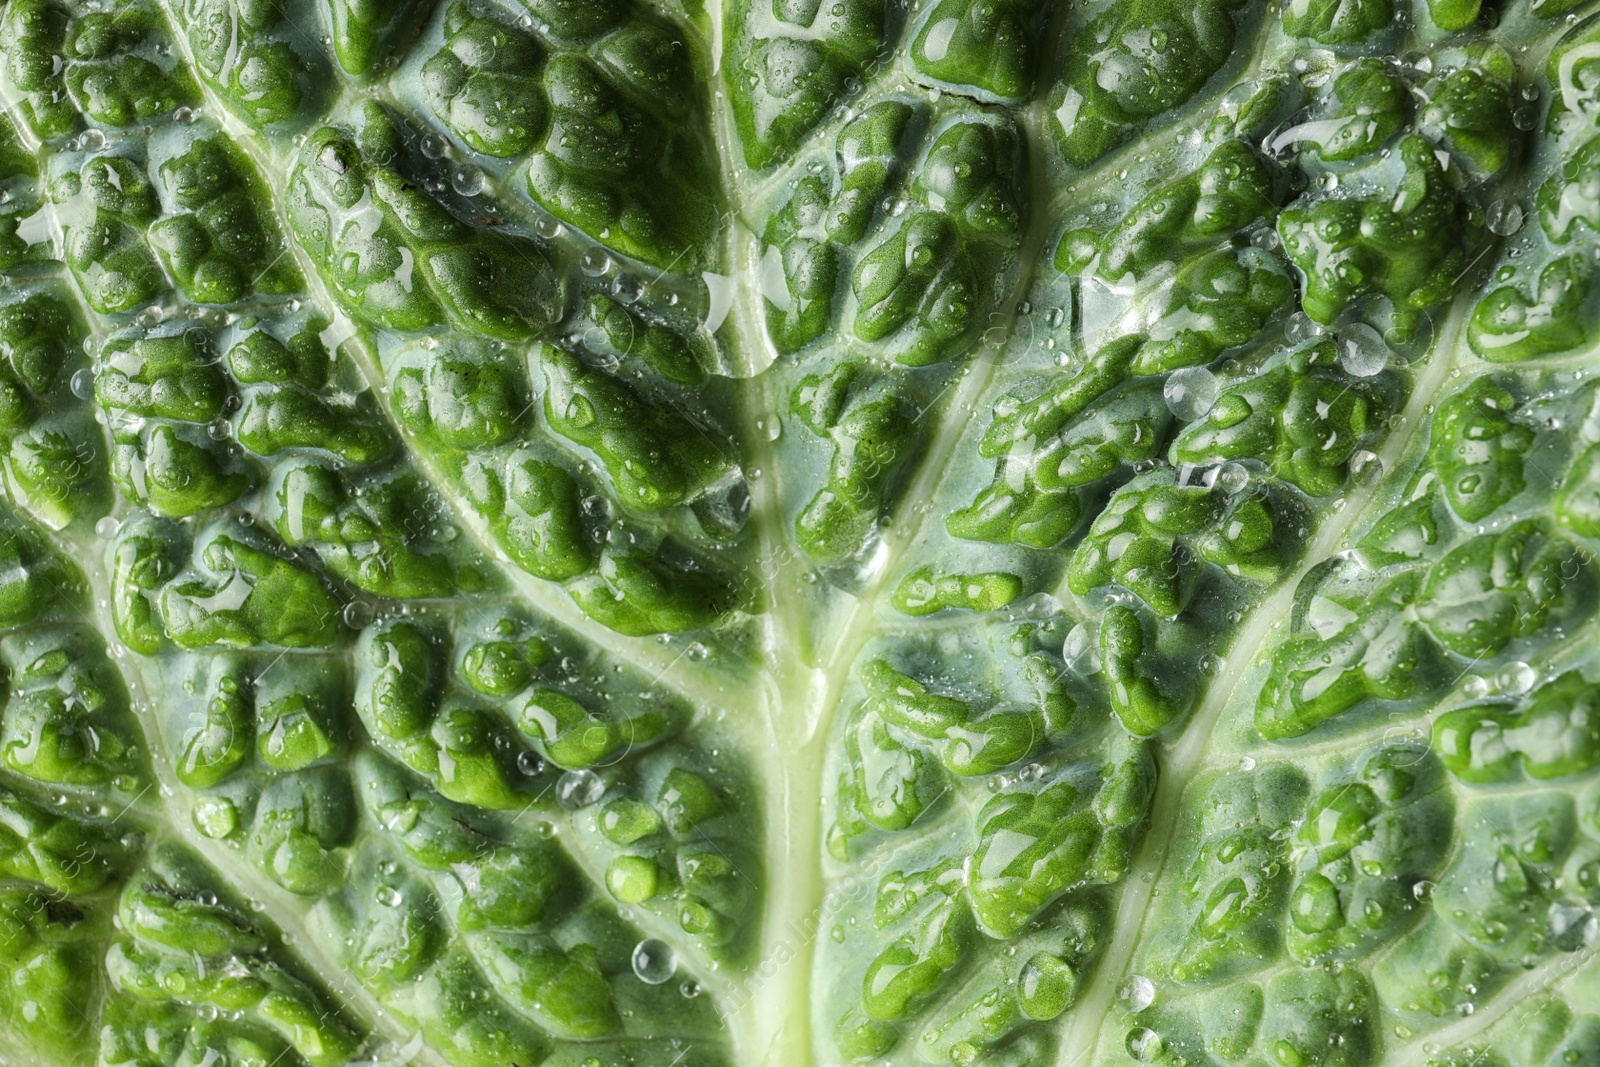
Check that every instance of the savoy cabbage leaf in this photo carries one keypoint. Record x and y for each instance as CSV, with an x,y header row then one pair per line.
x,y
809,533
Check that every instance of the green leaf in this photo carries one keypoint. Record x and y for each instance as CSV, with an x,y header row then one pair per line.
x,y
822,533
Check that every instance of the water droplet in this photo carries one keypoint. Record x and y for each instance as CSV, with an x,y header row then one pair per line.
x,y
184,115
1362,352
1300,328
1516,678
595,262
1365,467
579,789
92,140
1525,117
1503,218
690,990
82,383
653,961
357,614
389,896
628,288
1190,392
206,899
468,180
530,762
1137,993
548,227
434,146
1144,1044
1079,651
107,527
1423,891
1231,478
219,430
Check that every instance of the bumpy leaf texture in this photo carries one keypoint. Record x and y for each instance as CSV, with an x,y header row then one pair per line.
x,y
799,533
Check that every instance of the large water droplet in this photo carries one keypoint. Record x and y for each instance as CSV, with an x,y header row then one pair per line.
x,y
1144,1044
1362,352
1365,467
357,614
468,180
1232,478
653,961
1137,993
1300,327
1080,650
530,762
595,262
1503,218
628,288
83,383
1190,392
1516,678
579,412
1572,925
579,789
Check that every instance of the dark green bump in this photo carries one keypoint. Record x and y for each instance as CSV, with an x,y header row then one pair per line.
x,y
1544,317
1409,240
1339,21
1477,447
922,592
1132,62
873,427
